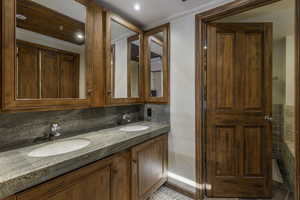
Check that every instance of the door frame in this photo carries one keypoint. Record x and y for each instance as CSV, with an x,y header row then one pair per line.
x,y
202,20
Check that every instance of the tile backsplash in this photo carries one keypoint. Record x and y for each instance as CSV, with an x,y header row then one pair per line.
x,y
20,129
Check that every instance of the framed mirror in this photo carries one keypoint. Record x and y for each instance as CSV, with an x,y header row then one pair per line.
x,y
46,65
124,61
50,45
157,65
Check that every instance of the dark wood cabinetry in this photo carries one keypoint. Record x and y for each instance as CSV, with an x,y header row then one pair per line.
x,y
133,174
27,72
10,198
149,167
106,180
45,72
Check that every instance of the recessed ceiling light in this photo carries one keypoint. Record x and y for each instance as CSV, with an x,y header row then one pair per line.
x,y
137,7
79,36
21,17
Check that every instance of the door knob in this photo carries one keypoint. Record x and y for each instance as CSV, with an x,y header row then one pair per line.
x,y
268,118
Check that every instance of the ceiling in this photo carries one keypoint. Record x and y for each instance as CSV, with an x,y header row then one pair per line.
x,y
120,32
152,11
41,19
281,14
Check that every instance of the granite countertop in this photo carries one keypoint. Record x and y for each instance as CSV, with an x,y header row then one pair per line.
x,y
18,171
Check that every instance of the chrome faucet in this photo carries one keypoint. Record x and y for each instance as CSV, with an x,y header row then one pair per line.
x,y
124,118
54,128
54,131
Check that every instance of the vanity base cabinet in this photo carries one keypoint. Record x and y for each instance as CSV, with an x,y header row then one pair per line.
x,y
103,180
10,198
149,167
134,174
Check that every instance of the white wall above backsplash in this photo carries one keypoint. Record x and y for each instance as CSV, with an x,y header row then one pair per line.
x,y
182,136
290,70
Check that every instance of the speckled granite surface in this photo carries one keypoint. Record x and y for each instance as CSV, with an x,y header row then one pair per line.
x,y
20,129
19,171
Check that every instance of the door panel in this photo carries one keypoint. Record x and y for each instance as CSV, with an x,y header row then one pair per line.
x,y
253,99
238,138
50,74
253,150
69,66
27,72
225,71
225,142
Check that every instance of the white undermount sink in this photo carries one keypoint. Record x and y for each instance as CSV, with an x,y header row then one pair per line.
x,y
134,128
58,148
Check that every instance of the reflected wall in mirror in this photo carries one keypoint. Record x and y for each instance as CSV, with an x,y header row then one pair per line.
x,y
157,64
50,44
156,54
125,61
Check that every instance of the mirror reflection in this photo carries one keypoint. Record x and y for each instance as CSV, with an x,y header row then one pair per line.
x,y
156,43
125,60
50,40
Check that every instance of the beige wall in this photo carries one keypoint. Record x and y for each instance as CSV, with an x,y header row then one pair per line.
x,y
279,73
290,70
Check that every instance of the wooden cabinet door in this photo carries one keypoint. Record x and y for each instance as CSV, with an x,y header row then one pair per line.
x,y
92,182
50,74
27,72
69,76
107,179
149,167
10,198
121,178
95,186
239,139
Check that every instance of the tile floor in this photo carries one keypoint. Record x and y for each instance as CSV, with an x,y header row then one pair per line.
x,y
279,193
167,194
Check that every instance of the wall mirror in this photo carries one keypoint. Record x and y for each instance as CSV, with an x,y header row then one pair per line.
x,y
157,64
124,61
50,41
45,62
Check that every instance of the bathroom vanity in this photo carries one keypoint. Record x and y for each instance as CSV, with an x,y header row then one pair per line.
x,y
116,165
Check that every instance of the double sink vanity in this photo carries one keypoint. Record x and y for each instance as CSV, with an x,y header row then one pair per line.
x,y
69,55
121,163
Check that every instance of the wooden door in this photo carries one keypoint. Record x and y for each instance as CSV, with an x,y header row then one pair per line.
x,y
50,74
149,167
239,139
27,72
69,83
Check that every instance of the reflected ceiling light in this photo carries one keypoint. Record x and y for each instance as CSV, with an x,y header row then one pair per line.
x,y
79,36
137,7
21,17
